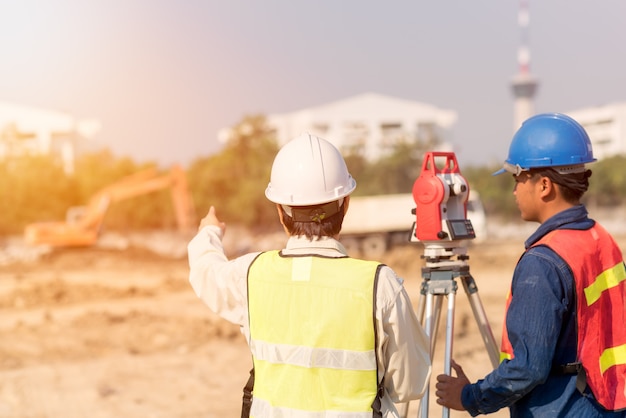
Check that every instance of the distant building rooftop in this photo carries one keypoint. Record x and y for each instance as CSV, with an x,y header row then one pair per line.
x,y
606,127
369,124
32,130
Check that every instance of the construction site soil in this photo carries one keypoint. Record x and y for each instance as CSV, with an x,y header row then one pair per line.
x,y
102,333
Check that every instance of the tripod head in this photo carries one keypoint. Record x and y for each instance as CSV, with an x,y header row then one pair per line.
x,y
440,193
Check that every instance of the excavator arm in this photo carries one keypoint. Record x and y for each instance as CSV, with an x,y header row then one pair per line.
x,y
82,228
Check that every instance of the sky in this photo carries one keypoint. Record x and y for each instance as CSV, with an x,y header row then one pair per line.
x,y
163,76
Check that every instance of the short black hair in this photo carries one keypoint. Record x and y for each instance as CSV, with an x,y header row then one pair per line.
x,y
321,227
572,185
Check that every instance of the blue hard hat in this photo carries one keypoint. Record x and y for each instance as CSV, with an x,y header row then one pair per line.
x,y
549,140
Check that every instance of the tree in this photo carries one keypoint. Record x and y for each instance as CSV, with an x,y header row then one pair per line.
x,y
98,170
234,180
607,185
496,192
32,188
394,172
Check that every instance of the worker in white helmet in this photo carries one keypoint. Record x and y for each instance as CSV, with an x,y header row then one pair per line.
x,y
330,335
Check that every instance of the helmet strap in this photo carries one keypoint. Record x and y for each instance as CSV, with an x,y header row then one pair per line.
x,y
314,213
570,169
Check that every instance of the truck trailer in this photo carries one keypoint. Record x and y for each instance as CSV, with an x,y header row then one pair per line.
x,y
375,224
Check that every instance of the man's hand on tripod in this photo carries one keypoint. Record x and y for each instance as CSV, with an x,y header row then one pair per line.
x,y
449,388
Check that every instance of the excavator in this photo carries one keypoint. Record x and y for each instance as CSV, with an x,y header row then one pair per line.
x,y
83,224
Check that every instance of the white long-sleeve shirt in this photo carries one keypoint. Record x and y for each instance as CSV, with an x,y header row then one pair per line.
x,y
403,347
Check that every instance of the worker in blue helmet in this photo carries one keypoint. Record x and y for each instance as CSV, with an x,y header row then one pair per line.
x,y
563,350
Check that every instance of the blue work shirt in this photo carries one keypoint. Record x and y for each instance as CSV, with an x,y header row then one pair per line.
x,y
541,324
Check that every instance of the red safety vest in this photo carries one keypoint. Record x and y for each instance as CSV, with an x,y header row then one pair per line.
x,y
598,268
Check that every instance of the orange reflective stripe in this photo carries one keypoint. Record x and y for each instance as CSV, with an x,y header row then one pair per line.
x,y
612,357
506,349
606,280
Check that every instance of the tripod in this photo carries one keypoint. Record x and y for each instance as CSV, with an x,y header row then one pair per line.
x,y
444,265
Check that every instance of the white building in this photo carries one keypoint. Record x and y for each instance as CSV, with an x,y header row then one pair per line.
x,y
606,126
367,123
30,130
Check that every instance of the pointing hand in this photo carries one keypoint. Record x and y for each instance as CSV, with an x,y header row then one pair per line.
x,y
211,219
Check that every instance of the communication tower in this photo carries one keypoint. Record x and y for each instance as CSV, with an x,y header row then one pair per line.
x,y
524,85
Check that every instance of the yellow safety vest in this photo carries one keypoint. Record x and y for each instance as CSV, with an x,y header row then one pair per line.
x,y
312,336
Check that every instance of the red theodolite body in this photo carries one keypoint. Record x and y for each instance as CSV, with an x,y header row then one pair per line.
x,y
440,194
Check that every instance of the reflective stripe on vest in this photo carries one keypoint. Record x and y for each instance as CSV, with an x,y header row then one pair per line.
x,y
600,277
312,336
506,350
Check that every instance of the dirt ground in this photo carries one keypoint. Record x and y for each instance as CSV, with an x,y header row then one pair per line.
x,y
103,333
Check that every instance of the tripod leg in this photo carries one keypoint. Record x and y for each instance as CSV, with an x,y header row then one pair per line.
x,y
437,318
429,323
449,338
403,409
421,302
481,319
421,308
428,313
449,333
433,312
428,328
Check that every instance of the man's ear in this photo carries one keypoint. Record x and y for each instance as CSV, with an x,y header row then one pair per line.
x,y
281,216
547,186
346,203
280,213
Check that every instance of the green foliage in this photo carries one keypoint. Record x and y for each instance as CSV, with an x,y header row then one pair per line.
x,y
496,192
146,211
98,170
234,180
392,173
35,188
32,188
607,185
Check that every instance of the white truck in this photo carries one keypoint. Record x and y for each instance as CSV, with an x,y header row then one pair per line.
x,y
374,224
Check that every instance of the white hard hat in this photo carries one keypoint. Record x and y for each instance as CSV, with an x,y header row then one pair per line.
x,y
309,171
